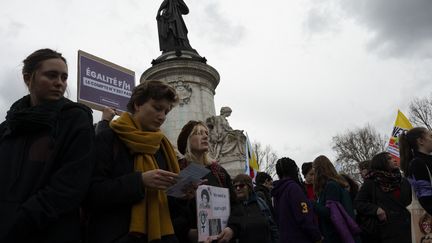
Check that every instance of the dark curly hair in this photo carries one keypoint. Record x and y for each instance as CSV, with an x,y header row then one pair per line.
x,y
262,177
286,167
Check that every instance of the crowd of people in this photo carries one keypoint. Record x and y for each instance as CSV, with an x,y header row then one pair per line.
x,y
64,180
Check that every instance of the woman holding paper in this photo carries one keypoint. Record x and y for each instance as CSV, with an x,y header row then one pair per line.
x,y
193,143
135,165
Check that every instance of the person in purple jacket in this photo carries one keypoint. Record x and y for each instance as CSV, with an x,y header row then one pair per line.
x,y
294,213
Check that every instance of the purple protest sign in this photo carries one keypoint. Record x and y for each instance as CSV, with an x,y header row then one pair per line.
x,y
102,83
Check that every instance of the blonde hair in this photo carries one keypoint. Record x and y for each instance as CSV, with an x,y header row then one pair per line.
x,y
189,156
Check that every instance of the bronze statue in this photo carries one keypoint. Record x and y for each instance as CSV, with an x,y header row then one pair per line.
x,y
171,26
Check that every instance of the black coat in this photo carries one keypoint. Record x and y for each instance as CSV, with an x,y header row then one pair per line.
x,y
255,221
397,228
264,193
115,188
44,175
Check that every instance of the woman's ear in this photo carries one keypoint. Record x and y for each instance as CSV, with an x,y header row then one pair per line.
x,y
27,79
136,107
420,141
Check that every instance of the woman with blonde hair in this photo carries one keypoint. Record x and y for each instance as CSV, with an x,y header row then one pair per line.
x,y
193,143
334,206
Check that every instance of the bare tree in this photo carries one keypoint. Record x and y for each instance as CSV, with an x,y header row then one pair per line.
x,y
355,146
421,112
266,158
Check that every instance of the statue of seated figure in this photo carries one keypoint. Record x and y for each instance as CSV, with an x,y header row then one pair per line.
x,y
224,141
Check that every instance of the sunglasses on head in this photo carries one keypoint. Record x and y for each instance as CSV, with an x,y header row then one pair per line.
x,y
239,186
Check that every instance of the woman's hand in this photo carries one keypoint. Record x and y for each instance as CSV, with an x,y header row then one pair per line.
x,y
226,235
381,214
108,114
193,235
190,189
158,179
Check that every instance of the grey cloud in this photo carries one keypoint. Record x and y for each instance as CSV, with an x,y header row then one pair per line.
x,y
11,30
397,27
321,19
14,29
213,25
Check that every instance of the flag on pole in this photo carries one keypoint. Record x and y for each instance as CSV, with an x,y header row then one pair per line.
x,y
402,124
251,165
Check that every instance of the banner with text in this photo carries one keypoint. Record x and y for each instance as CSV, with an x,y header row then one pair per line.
x,y
213,210
401,124
102,83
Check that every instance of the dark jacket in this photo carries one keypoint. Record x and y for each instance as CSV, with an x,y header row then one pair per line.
x,y
397,228
115,188
420,180
101,125
334,192
264,193
46,152
255,220
294,214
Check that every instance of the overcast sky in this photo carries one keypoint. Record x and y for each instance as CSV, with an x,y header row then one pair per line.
x,y
295,73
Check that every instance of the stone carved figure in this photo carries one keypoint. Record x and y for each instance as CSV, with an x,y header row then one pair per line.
x,y
171,26
184,91
225,141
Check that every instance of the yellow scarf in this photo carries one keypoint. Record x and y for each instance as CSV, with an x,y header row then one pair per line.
x,y
150,216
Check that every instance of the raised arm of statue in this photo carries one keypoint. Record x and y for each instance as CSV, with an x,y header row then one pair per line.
x,y
183,7
162,7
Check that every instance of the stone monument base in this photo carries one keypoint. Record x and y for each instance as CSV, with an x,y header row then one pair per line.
x,y
234,165
195,83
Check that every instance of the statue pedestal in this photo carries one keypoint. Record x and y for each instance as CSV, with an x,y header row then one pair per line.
x,y
233,164
195,82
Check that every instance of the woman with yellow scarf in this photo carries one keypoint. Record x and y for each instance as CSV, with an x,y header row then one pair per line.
x,y
135,165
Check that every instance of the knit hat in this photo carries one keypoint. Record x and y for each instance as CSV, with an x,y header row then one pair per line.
x,y
184,134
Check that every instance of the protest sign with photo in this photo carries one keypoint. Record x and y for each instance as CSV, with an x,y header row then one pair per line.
x,y
213,210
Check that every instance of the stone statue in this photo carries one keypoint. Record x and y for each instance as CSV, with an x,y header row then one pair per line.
x,y
224,141
171,26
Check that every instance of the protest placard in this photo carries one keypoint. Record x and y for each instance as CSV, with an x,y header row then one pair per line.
x,y
103,84
213,210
